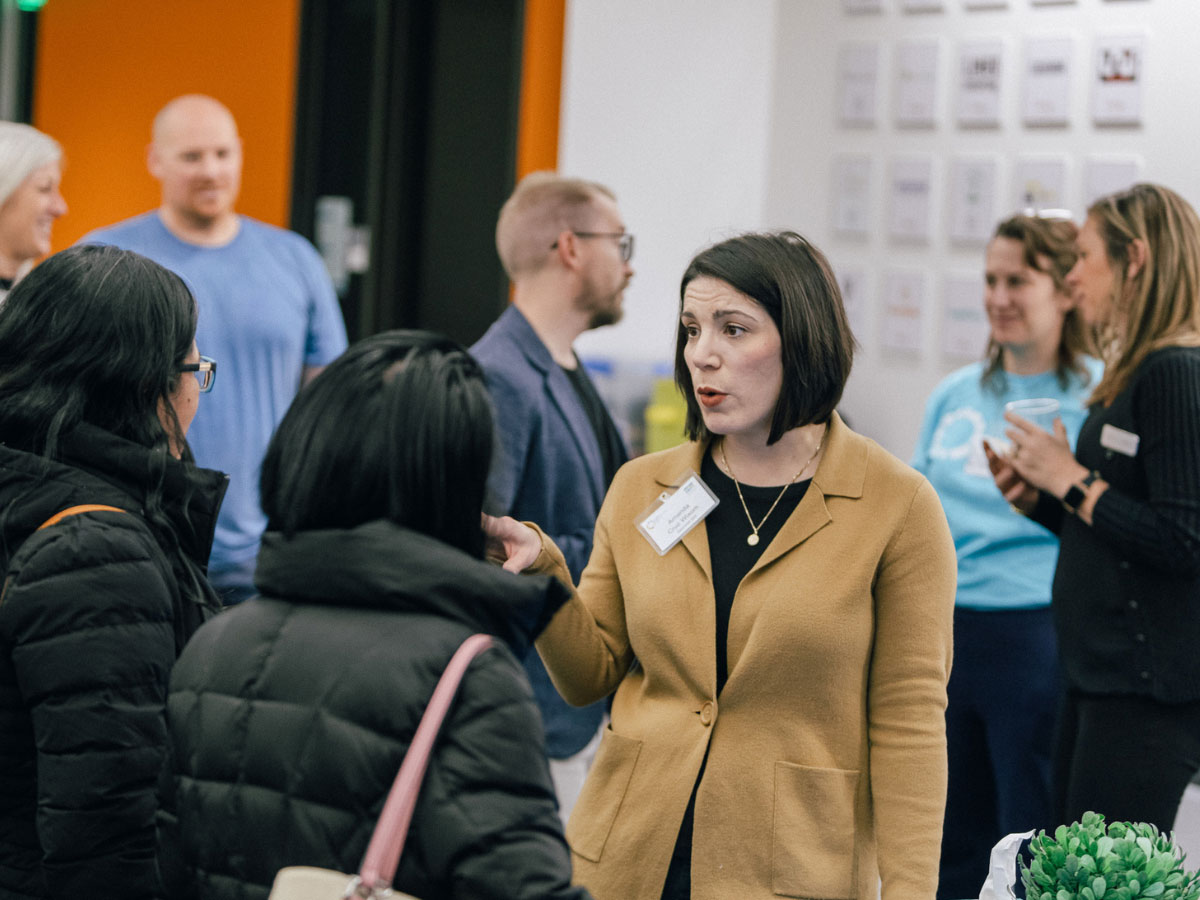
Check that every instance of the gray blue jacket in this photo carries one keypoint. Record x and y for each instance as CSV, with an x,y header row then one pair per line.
x,y
547,469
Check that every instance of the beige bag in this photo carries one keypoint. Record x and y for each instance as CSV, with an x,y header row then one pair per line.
x,y
378,869
311,883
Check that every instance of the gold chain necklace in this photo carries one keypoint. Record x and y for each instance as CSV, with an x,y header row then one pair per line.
x,y
752,538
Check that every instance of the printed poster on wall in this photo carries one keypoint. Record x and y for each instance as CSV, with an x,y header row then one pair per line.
x,y
1108,174
1046,87
852,282
916,83
980,69
852,195
972,191
1040,185
911,198
858,80
902,323
965,326
1117,78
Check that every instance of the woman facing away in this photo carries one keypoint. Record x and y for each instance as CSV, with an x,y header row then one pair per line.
x,y
98,384
30,200
290,714
779,673
1004,688
1126,507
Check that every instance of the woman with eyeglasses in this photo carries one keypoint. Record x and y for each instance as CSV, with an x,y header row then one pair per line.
x,y
1126,508
777,661
105,530
1004,689
291,713
30,199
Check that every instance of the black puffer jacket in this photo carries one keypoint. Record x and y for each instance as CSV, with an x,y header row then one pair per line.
x,y
87,640
291,713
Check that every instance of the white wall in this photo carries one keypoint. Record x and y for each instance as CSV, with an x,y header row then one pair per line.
x,y
714,116
669,103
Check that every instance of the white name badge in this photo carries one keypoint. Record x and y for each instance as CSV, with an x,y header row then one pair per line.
x,y
1120,440
674,514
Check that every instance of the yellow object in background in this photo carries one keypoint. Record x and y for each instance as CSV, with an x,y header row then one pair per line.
x,y
665,416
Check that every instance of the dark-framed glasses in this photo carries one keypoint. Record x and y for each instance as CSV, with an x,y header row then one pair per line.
x,y
623,238
206,372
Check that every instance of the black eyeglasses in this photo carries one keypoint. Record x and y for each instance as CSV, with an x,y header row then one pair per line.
x,y
206,372
623,238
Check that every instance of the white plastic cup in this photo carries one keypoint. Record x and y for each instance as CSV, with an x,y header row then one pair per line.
x,y
1041,411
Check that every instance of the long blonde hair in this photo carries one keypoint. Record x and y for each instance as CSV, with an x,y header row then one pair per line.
x,y
1159,306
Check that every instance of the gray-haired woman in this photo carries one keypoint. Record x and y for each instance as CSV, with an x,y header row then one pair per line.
x,y
30,199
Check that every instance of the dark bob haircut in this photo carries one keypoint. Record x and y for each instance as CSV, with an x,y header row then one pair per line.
x,y
94,334
793,282
398,427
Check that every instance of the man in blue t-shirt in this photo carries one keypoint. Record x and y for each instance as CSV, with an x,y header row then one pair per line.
x,y
268,313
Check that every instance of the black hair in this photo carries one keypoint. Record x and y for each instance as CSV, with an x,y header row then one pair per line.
x,y
398,427
793,282
94,334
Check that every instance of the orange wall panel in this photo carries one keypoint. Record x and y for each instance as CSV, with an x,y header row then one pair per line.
x,y
105,68
541,86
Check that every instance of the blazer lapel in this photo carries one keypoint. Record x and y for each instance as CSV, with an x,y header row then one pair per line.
x,y
570,407
841,472
562,395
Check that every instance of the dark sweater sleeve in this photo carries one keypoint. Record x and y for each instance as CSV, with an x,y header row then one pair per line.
x,y
87,620
1162,530
1048,512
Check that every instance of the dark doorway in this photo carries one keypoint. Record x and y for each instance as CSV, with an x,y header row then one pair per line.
x,y
408,110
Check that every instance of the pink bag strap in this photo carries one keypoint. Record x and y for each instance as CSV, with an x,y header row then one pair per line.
x,y
383,853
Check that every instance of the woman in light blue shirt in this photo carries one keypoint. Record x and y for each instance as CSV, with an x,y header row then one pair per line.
x,y
1004,685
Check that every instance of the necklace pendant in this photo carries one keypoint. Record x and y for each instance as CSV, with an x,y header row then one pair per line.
x,y
752,539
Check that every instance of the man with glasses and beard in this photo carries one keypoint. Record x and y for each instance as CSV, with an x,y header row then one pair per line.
x,y
563,243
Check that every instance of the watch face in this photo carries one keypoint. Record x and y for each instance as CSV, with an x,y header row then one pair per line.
x,y
1074,497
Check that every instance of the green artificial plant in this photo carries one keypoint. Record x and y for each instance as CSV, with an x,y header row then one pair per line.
x,y
1123,861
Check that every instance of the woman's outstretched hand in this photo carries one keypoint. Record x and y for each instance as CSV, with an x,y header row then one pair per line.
x,y
510,543
1016,490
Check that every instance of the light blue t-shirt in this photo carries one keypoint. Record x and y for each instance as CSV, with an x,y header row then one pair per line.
x,y
266,310
1005,561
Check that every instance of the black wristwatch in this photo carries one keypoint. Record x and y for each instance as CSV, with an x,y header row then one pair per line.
x,y
1077,493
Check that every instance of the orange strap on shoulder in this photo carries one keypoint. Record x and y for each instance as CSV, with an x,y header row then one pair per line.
x,y
58,517
76,510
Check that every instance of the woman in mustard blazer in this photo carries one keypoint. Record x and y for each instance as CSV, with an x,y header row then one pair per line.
x,y
780,672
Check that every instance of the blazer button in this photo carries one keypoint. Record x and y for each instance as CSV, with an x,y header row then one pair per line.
x,y
1133,604
1140,638
706,714
1123,565
1145,676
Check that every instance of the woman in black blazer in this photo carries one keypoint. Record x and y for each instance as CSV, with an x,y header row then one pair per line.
x,y
1126,505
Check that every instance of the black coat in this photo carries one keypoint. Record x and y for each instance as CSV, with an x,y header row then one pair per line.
x,y
290,715
88,634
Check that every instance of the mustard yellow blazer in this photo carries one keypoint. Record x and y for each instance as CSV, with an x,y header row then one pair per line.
x,y
826,748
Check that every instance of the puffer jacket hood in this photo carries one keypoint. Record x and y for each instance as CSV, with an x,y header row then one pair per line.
x,y
447,582
96,466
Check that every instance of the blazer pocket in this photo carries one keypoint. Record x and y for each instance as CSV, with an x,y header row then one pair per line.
x,y
602,794
812,846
